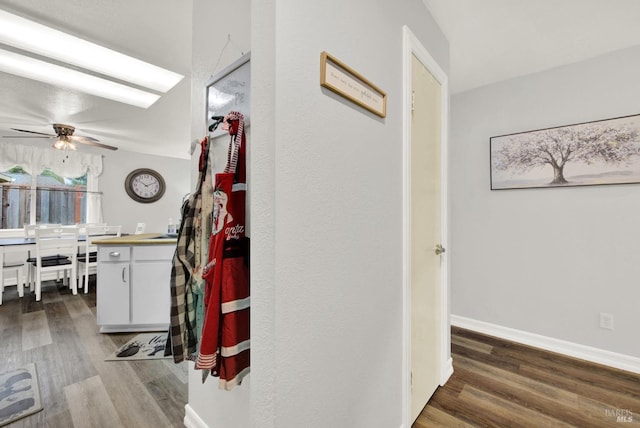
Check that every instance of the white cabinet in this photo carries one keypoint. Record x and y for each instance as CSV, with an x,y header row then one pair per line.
x,y
133,291
150,292
113,289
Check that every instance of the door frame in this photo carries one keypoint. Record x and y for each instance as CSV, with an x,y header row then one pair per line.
x,y
412,46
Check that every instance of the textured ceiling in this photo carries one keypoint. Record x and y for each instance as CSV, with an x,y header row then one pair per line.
x,y
494,40
158,32
490,41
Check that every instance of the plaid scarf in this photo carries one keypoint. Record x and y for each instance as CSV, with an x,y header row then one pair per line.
x,y
183,313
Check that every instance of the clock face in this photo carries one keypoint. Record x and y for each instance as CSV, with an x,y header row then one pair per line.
x,y
145,185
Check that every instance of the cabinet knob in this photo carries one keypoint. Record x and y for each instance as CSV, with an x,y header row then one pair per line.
x,y
114,254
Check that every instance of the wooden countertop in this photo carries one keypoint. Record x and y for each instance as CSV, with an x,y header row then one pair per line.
x,y
141,239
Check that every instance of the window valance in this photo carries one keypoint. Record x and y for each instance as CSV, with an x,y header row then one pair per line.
x,y
34,160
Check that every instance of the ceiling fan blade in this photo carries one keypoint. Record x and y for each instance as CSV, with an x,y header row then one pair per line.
x,y
25,136
32,132
84,138
91,142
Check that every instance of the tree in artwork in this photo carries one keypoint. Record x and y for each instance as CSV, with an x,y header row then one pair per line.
x,y
557,147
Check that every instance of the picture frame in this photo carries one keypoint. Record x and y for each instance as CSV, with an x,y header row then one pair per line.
x,y
229,90
592,153
338,77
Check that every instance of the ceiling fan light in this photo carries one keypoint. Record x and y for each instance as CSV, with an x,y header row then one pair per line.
x,y
59,144
63,142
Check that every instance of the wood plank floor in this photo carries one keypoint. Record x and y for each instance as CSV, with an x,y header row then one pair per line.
x,y
497,383
77,387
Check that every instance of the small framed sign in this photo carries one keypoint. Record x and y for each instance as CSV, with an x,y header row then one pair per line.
x,y
343,80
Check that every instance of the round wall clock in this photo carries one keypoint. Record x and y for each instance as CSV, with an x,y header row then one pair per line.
x,y
144,185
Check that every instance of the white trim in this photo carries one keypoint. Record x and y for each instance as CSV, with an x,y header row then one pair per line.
x,y
412,46
406,221
238,187
191,418
594,355
447,368
228,385
235,305
230,351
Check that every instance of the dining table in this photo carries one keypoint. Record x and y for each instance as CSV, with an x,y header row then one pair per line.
x,y
18,245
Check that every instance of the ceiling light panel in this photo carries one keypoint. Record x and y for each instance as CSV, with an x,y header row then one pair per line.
x,y
42,40
20,65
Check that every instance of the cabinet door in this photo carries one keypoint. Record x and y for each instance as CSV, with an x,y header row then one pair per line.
x,y
150,292
113,293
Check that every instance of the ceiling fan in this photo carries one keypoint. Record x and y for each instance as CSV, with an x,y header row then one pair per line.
x,y
65,140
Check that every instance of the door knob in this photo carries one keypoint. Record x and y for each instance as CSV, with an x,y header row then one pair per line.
x,y
439,249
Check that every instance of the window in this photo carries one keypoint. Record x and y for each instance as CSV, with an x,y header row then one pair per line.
x,y
57,199
66,189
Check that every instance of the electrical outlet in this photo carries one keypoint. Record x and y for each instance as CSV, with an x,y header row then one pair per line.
x,y
606,321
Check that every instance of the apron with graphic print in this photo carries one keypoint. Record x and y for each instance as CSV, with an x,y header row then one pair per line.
x,y
224,346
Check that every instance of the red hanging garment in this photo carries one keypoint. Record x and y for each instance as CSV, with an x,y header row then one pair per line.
x,y
224,347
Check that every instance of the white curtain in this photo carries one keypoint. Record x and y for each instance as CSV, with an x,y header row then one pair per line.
x,y
34,160
94,199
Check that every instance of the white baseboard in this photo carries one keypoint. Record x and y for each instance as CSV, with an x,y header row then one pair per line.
x,y
191,418
446,371
594,355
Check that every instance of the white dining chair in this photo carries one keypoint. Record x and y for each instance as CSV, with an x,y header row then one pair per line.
x,y
88,251
30,232
30,229
18,268
56,251
82,227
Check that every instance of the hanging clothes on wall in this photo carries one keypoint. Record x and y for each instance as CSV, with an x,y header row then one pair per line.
x,y
185,274
202,233
224,349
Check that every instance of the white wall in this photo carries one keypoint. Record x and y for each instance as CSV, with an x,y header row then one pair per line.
x,y
119,208
263,237
325,193
327,214
213,24
546,261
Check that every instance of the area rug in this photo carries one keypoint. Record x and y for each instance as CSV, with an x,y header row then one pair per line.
x,y
19,394
145,346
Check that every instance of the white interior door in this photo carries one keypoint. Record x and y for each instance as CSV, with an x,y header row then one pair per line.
x,y
425,236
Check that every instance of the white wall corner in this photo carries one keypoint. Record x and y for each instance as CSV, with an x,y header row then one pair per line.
x,y
191,418
575,350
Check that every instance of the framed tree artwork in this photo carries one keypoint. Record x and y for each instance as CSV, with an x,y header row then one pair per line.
x,y
584,154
